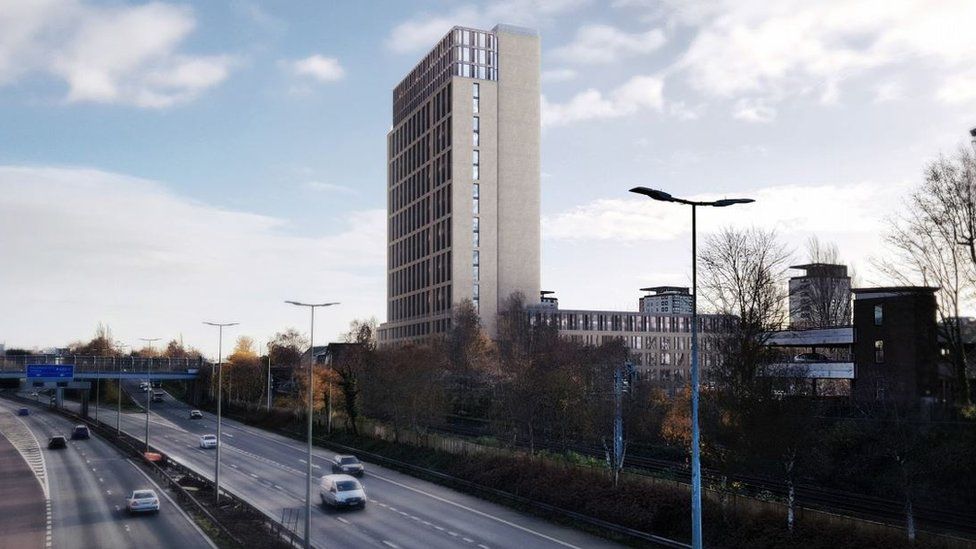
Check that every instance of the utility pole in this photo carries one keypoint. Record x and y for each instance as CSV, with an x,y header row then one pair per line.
x,y
220,375
149,340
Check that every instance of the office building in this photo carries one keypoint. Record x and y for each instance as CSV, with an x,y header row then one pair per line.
x,y
820,297
666,300
659,342
463,188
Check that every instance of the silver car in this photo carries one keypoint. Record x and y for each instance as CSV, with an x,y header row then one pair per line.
x,y
143,501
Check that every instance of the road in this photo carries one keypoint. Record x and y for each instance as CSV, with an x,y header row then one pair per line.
x,y
89,481
268,470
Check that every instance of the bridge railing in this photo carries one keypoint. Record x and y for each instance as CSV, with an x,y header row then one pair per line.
x,y
19,363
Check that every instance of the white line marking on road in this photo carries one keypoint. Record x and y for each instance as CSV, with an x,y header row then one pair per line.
x,y
277,487
253,475
303,461
390,544
127,528
234,466
469,540
475,511
483,546
427,523
228,435
342,520
316,466
439,528
455,534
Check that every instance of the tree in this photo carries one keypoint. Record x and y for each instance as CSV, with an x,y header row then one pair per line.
x,y
743,279
469,354
828,297
355,360
935,244
100,345
176,349
243,380
286,348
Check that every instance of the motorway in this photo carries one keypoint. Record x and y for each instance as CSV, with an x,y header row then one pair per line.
x,y
88,484
268,471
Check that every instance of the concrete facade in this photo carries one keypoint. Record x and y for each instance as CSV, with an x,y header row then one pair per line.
x,y
464,182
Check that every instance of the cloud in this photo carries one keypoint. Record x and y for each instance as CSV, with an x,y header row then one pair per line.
x,y
637,94
130,252
108,54
422,31
959,88
847,209
772,51
318,67
597,44
558,75
753,110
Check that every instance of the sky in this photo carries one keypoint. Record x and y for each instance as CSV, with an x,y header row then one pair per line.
x,y
168,163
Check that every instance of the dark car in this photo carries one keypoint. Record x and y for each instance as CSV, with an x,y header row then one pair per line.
x,y
348,465
23,412
57,443
80,432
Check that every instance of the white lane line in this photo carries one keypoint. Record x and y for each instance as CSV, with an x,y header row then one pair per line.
x,y
316,466
303,461
390,544
475,511
469,540
439,528
455,534
234,466
253,475
173,503
342,520
483,546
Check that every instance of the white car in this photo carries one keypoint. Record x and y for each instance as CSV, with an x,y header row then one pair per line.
x,y
342,491
208,441
143,501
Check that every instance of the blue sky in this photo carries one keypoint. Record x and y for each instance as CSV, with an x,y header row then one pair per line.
x,y
166,163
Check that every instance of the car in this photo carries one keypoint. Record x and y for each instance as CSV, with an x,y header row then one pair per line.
x,y
157,396
348,465
196,414
57,443
811,357
142,501
23,412
80,432
144,387
208,441
342,491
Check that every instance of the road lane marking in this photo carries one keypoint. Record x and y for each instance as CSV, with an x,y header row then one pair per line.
x,y
342,520
390,544
469,540
483,546
475,511
253,475
455,534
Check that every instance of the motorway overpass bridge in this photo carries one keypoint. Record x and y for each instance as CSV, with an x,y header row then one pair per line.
x,y
90,368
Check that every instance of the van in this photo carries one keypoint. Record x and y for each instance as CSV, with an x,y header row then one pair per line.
x,y
342,491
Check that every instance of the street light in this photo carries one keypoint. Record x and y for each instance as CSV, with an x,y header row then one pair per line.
x,y
149,340
311,352
118,396
696,508
269,374
220,375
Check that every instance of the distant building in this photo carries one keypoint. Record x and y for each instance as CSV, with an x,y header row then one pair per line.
x,y
821,297
660,343
666,300
890,354
463,181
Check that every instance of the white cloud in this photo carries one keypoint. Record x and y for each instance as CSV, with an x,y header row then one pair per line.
x,y
888,91
319,67
959,88
558,75
774,50
96,246
107,54
855,209
596,44
422,31
753,110
637,94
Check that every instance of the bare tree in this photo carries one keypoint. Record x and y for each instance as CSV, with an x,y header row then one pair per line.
x,y
743,276
935,244
825,295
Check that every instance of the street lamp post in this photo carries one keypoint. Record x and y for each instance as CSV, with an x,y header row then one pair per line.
x,y
696,507
269,376
149,340
118,396
308,472
220,375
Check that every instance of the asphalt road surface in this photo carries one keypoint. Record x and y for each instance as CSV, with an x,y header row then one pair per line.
x,y
268,470
89,482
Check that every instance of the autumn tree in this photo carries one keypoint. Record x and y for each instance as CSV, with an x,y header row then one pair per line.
x,y
101,344
352,361
469,359
286,348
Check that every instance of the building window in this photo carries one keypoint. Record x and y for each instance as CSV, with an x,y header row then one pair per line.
x,y
475,163
475,199
476,97
879,351
476,131
878,315
476,273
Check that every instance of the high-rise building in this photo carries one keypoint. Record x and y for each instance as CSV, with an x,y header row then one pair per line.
x,y
821,297
463,181
666,300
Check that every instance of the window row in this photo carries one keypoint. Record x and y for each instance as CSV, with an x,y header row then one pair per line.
x,y
626,322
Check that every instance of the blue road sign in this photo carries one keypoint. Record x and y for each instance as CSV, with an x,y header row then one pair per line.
x,y
51,371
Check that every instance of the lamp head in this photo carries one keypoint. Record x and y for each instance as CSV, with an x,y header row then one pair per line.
x,y
653,193
731,201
